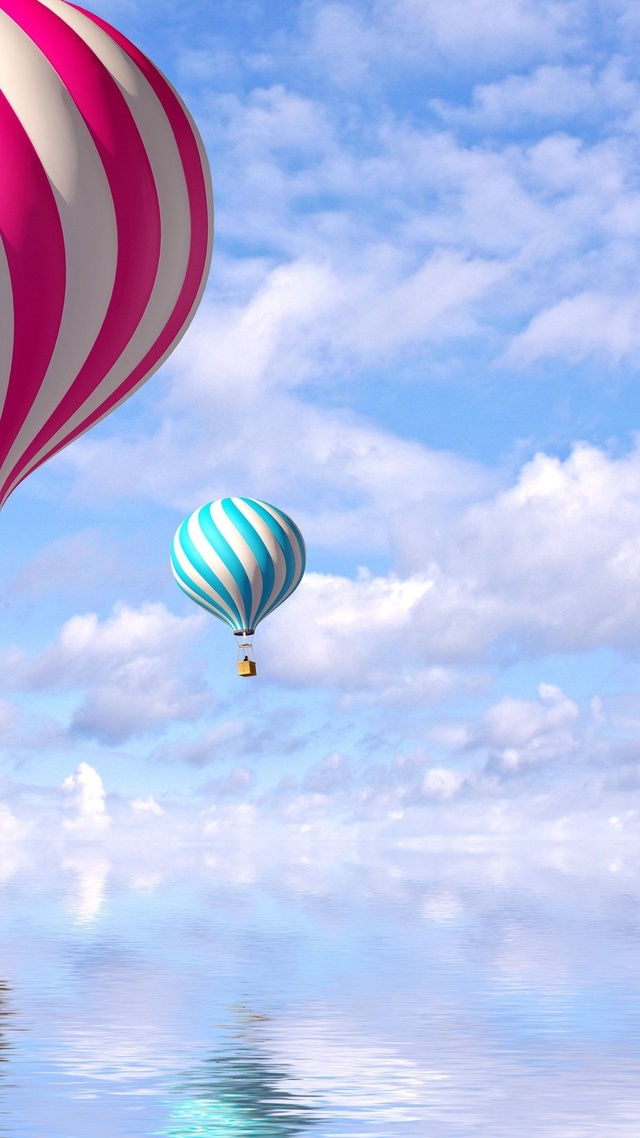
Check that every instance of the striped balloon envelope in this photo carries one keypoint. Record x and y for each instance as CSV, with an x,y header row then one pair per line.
x,y
239,558
106,220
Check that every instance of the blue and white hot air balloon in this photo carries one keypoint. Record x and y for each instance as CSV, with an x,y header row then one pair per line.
x,y
239,558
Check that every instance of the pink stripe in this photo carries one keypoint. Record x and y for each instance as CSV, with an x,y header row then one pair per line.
x,y
199,209
32,235
131,182
200,239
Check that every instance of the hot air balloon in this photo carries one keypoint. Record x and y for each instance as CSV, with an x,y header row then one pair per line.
x,y
106,226
239,558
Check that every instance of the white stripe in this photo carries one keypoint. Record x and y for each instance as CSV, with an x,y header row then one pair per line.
x,y
196,596
65,148
217,566
6,340
295,546
273,548
244,554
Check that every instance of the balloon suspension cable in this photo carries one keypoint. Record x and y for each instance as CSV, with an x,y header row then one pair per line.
x,y
246,658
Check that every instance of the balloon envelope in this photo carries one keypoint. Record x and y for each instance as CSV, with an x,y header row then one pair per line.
x,y
239,558
105,226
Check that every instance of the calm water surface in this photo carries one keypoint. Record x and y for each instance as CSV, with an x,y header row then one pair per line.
x,y
426,996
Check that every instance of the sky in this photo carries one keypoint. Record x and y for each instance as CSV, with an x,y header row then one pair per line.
x,y
421,339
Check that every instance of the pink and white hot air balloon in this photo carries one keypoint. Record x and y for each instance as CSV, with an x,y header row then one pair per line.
x,y
105,220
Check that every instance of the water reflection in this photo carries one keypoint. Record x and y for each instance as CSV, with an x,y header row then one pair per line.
x,y
241,1091
5,1013
86,899
5,1044
449,997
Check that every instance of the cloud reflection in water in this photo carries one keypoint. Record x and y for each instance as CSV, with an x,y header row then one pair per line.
x,y
451,995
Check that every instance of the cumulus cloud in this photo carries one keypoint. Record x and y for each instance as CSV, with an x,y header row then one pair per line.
x,y
147,806
551,92
540,767
343,628
85,802
439,782
548,564
545,564
519,732
127,666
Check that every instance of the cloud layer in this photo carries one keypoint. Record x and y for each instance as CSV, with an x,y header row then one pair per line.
x,y
419,339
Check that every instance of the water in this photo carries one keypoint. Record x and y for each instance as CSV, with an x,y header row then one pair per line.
x,y
428,996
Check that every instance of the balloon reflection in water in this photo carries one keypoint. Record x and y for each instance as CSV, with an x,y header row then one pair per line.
x,y
240,1092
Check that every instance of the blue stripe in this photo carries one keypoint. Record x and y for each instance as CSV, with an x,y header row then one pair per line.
x,y
258,549
285,593
204,569
230,560
285,545
201,598
301,544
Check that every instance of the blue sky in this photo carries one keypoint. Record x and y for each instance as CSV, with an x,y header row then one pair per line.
x,y
420,338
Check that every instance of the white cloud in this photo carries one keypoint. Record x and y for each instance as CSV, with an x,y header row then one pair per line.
x,y
127,666
146,806
502,30
334,629
549,564
551,92
521,733
439,782
546,564
579,327
346,481
413,686
402,33
212,745
10,826
85,801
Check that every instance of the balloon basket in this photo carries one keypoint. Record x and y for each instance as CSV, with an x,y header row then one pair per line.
x,y
246,659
